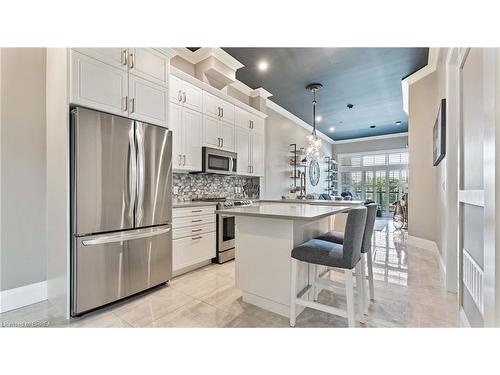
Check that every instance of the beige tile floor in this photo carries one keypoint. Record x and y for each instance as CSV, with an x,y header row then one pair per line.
x,y
408,293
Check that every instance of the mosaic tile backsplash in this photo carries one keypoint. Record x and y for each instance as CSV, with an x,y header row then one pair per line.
x,y
194,186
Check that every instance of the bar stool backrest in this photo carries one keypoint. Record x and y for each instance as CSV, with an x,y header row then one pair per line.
x,y
371,214
353,235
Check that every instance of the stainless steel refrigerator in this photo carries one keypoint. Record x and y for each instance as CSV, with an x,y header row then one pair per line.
x,y
121,209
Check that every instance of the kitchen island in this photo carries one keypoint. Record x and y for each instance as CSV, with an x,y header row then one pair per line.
x,y
265,235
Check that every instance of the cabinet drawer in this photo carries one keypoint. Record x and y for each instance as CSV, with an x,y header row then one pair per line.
x,y
116,57
181,222
193,231
193,211
191,250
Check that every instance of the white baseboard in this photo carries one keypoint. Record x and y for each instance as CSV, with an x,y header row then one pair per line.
x,y
464,322
422,243
23,296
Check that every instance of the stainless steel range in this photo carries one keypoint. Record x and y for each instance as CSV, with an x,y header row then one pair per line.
x,y
226,227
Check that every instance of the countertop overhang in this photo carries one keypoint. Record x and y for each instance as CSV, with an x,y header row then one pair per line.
x,y
285,211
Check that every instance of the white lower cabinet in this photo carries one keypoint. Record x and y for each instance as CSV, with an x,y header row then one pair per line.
x,y
187,129
147,101
97,85
194,237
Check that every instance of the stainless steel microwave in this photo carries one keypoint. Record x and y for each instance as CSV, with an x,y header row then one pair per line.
x,y
218,161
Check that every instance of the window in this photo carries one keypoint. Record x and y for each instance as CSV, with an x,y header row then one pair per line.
x,y
381,177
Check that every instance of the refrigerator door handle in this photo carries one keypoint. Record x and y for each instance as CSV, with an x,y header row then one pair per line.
x,y
140,172
127,237
132,181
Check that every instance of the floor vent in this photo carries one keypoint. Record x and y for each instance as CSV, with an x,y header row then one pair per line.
x,y
473,279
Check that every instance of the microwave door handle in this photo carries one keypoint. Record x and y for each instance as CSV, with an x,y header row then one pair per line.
x,y
230,164
132,179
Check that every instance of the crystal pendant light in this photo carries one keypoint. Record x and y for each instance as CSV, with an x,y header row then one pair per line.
x,y
314,150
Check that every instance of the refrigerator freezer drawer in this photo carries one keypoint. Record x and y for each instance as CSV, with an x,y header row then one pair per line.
x,y
109,267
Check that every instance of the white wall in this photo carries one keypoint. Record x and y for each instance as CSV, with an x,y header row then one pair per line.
x,y
23,172
370,145
280,132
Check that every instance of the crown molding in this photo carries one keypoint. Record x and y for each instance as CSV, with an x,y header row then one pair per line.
x,y
170,52
263,93
241,87
205,52
374,138
283,112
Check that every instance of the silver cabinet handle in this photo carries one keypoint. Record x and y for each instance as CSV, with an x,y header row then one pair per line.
x,y
132,105
184,95
180,159
196,230
218,142
222,140
132,61
179,96
196,238
196,221
124,57
126,103
126,237
219,111
249,169
222,110
184,159
194,211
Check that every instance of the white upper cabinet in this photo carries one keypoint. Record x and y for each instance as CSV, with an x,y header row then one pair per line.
x,y
227,111
242,148
97,85
211,105
116,57
227,136
149,64
192,139
185,94
211,132
187,133
257,154
258,125
147,101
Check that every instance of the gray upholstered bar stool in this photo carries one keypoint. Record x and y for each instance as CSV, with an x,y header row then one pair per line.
x,y
344,257
366,248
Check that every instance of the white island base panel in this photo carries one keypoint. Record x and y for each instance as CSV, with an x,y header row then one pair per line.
x,y
263,262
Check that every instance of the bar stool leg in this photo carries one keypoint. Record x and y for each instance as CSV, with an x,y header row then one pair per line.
x,y
370,273
293,292
360,289
315,286
366,298
349,292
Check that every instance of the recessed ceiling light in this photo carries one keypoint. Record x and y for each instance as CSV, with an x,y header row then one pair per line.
x,y
263,65
319,118
398,122
372,126
332,128
350,106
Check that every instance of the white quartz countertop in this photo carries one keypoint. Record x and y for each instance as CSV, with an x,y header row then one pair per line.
x,y
192,204
318,202
286,211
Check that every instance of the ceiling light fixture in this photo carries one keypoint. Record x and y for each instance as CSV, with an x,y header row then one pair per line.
x,y
398,122
263,65
313,151
319,118
372,126
332,128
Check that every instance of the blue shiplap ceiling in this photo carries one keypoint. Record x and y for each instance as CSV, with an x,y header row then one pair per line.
x,y
368,78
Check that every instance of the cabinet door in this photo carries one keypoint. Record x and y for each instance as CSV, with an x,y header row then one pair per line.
x,y
227,111
191,96
192,139
242,147
242,118
148,101
257,152
211,134
97,85
227,135
258,125
175,124
149,64
210,105
116,57
193,249
175,89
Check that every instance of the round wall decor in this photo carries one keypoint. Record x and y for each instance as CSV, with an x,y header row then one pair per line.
x,y
314,172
